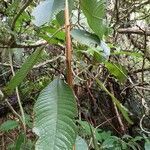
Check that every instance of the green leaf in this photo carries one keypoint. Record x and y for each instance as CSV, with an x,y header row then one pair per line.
x,y
122,109
108,143
85,38
147,145
86,127
98,56
27,145
103,135
94,11
20,141
132,146
18,55
11,146
54,123
81,144
124,145
53,32
95,142
133,54
99,50
46,10
91,131
117,70
28,119
9,125
60,17
106,49
137,138
23,71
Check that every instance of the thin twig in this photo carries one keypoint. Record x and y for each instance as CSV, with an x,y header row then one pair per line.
x,y
143,88
17,93
35,66
141,125
144,58
140,70
108,120
122,127
13,110
133,31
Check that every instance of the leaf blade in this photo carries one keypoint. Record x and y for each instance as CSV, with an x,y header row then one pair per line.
x,y
94,11
46,10
117,70
23,71
9,125
81,144
55,110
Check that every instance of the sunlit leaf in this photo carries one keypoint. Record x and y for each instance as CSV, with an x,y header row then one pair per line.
x,y
53,32
105,48
46,10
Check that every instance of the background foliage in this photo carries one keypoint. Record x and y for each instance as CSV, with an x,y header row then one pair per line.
x,y
110,67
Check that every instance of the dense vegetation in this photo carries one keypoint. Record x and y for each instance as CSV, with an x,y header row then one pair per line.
x,y
74,74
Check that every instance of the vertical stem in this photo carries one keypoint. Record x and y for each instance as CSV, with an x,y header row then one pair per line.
x,y
68,49
68,46
18,96
144,58
122,127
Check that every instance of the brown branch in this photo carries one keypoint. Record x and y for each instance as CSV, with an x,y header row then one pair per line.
x,y
133,31
134,8
109,121
121,125
30,46
139,6
47,62
8,65
144,59
68,46
25,45
35,66
140,46
136,44
117,10
140,70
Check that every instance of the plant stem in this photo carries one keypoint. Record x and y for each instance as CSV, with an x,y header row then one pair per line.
x,y
68,46
18,96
